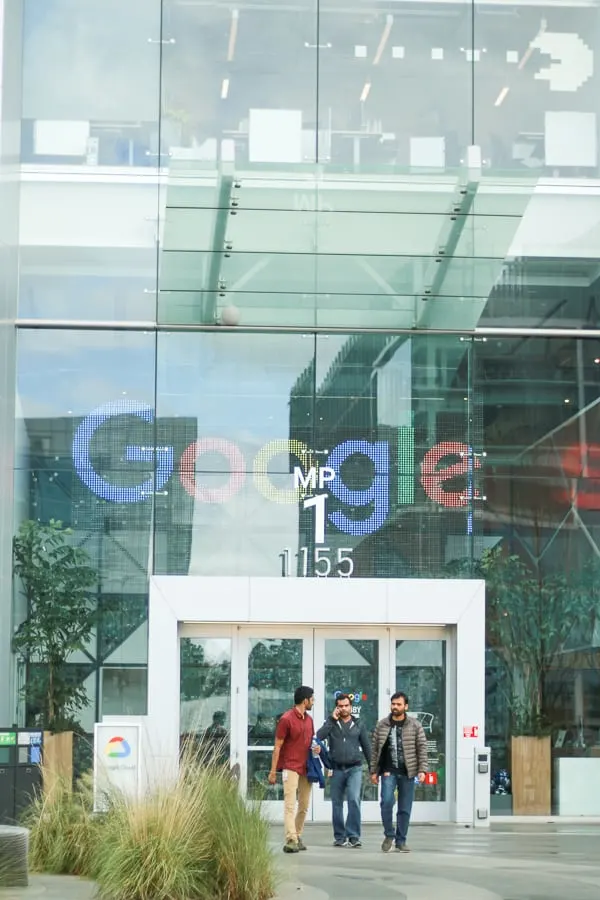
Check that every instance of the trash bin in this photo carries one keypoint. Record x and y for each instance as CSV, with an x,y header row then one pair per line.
x,y
20,772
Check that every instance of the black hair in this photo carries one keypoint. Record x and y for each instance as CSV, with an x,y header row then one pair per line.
x,y
400,695
302,693
342,697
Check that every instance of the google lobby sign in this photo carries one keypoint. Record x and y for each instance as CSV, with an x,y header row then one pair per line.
x,y
442,463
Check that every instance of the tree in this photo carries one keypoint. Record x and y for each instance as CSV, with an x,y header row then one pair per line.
x,y
56,579
530,618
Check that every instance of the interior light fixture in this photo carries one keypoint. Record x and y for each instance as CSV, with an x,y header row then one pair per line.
x,y
522,62
225,89
389,21
501,96
365,91
233,30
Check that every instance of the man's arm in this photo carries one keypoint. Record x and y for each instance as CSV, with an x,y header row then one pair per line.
x,y
422,761
365,743
275,759
325,729
375,750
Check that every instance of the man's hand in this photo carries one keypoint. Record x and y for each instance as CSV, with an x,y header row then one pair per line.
x,y
421,777
336,713
272,777
316,749
374,779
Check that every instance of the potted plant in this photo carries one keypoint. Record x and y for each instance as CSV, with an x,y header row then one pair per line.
x,y
56,579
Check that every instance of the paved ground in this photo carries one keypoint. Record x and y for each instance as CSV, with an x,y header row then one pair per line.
x,y
519,862
447,863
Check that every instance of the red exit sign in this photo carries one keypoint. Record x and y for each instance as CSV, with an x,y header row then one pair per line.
x,y
471,731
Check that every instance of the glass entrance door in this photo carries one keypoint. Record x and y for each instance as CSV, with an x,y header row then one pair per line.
x,y
370,666
420,660
274,662
356,664
207,702
236,681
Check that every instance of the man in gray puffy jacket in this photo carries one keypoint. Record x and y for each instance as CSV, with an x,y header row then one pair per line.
x,y
399,755
348,740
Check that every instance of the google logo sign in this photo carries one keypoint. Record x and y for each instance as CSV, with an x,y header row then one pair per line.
x,y
354,696
118,748
443,463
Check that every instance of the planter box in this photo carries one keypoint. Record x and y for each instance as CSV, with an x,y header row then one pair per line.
x,y
531,776
58,759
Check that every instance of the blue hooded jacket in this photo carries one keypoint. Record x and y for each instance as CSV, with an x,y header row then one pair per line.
x,y
314,765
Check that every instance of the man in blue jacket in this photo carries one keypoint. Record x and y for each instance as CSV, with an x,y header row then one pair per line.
x,y
347,737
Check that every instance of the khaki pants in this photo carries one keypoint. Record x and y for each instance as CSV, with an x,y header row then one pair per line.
x,y
296,788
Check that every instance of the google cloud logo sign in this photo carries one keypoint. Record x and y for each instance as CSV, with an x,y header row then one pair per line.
x,y
118,748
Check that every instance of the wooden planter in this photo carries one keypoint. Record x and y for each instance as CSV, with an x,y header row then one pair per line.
x,y
531,776
58,759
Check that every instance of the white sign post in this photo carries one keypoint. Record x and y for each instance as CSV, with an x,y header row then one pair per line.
x,y
117,761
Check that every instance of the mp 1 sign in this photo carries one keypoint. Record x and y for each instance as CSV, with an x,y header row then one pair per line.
x,y
441,464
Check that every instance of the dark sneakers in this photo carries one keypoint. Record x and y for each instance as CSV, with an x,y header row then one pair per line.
x,y
387,845
354,842
343,843
294,846
402,848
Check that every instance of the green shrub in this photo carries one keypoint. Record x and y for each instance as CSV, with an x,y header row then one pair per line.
x,y
157,849
63,834
195,839
241,861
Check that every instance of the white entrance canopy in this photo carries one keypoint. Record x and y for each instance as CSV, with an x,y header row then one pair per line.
x,y
175,600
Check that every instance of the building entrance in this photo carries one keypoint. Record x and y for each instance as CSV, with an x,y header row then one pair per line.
x,y
232,651
237,681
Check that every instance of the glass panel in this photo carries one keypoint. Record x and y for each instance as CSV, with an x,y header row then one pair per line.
x,y
303,260
89,142
542,534
274,673
421,675
205,694
536,88
244,419
395,84
352,667
258,69
124,692
79,398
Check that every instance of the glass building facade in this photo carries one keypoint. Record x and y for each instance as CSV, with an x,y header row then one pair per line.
x,y
244,245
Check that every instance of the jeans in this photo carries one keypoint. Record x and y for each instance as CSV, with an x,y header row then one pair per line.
x,y
346,782
406,793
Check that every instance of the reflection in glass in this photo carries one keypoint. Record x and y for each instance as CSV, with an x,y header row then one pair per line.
x,y
274,673
124,691
352,667
421,674
393,415
205,694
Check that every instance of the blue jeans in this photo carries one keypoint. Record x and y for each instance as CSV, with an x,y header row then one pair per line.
x,y
406,793
348,783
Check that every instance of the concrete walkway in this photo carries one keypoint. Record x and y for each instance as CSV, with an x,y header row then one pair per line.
x,y
448,863
520,862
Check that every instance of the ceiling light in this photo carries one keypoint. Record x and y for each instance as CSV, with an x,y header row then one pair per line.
x,y
597,360
225,89
233,29
365,91
389,21
501,96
